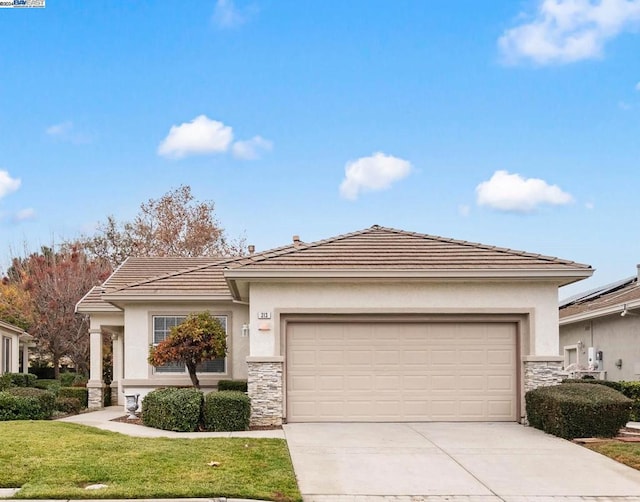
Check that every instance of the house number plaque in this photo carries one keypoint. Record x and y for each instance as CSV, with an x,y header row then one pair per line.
x,y
264,315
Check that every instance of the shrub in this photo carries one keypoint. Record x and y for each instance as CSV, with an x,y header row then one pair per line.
x,y
629,389
227,410
66,379
68,404
577,410
239,385
22,379
173,409
26,403
48,384
79,381
5,381
80,393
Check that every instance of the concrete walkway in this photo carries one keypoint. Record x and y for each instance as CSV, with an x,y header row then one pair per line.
x,y
102,419
456,462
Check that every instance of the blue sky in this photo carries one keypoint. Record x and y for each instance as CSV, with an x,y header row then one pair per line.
x,y
511,123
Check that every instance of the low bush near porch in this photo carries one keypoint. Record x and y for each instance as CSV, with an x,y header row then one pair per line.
x,y
574,410
226,410
173,409
44,459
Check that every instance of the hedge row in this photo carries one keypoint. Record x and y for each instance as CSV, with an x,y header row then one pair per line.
x,y
239,385
26,403
187,410
629,389
576,410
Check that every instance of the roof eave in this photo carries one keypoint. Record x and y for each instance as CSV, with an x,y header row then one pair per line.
x,y
560,274
618,308
152,297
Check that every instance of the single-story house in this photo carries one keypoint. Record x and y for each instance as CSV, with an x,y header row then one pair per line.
x,y
375,325
600,331
14,349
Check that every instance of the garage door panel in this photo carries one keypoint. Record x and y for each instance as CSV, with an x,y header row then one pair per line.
x,y
401,371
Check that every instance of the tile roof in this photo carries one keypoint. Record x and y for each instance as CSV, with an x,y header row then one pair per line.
x,y
390,249
371,249
606,298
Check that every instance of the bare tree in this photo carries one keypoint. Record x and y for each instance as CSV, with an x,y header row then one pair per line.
x,y
173,225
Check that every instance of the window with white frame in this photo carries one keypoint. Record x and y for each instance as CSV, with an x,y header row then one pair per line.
x,y
6,355
162,328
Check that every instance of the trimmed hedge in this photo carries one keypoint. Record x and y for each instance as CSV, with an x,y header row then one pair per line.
x,y
574,410
5,381
80,393
227,410
172,409
25,403
48,384
239,385
22,379
629,389
68,404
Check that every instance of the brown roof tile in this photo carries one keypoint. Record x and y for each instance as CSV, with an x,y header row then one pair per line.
x,y
387,248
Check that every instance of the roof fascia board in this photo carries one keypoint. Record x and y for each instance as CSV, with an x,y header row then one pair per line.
x,y
559,274
163,297
592,314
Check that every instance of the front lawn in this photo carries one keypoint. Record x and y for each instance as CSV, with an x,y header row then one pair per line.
x,y
55,460
625,453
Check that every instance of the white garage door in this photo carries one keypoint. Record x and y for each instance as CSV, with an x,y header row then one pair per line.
x,y
385,372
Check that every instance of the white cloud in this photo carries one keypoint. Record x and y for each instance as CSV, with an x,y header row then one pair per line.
x,y
590,205
65,131
513,193
24,214
373,173
251,149
8,184
61,129
565,31
464,210
638,86
623,105
200,136
227,15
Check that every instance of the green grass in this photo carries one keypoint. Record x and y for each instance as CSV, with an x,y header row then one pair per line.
x,y
56,460
625,453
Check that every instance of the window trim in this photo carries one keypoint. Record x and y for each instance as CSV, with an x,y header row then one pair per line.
x,y
7,355
182,378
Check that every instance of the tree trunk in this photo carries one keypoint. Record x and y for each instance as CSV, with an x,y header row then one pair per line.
x,y
191,367
56,366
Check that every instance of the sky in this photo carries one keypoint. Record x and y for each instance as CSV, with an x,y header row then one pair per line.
x,y
511,123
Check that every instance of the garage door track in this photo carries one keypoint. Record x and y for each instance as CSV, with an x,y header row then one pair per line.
x,y
478,462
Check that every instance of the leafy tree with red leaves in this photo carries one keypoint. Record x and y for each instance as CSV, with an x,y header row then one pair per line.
x,y
199,338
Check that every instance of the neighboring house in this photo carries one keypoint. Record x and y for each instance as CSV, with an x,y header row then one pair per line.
x,y
375,325
14,349
607,321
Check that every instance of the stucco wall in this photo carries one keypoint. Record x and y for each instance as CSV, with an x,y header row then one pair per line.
x,y
15,351
617,337
138,337
537,298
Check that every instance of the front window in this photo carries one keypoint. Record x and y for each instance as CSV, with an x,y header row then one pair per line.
x,y
162,328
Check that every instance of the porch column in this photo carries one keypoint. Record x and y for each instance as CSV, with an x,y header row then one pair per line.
x,y
25,358
118,369
95,385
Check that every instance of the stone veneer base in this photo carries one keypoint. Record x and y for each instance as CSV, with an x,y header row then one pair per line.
x,y
96,396
264,386
541,374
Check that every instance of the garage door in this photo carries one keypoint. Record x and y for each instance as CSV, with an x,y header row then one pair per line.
x,y
385,372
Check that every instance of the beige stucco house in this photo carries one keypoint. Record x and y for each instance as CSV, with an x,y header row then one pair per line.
x,y
14,349
600,331
375,325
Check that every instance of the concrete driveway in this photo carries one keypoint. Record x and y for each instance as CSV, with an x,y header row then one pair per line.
x,y
480,462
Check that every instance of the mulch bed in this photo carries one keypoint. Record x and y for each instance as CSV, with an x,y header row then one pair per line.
x,y
138,421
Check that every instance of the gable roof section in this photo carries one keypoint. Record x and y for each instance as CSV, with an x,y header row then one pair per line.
x,y
138,277
606,300
380,252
